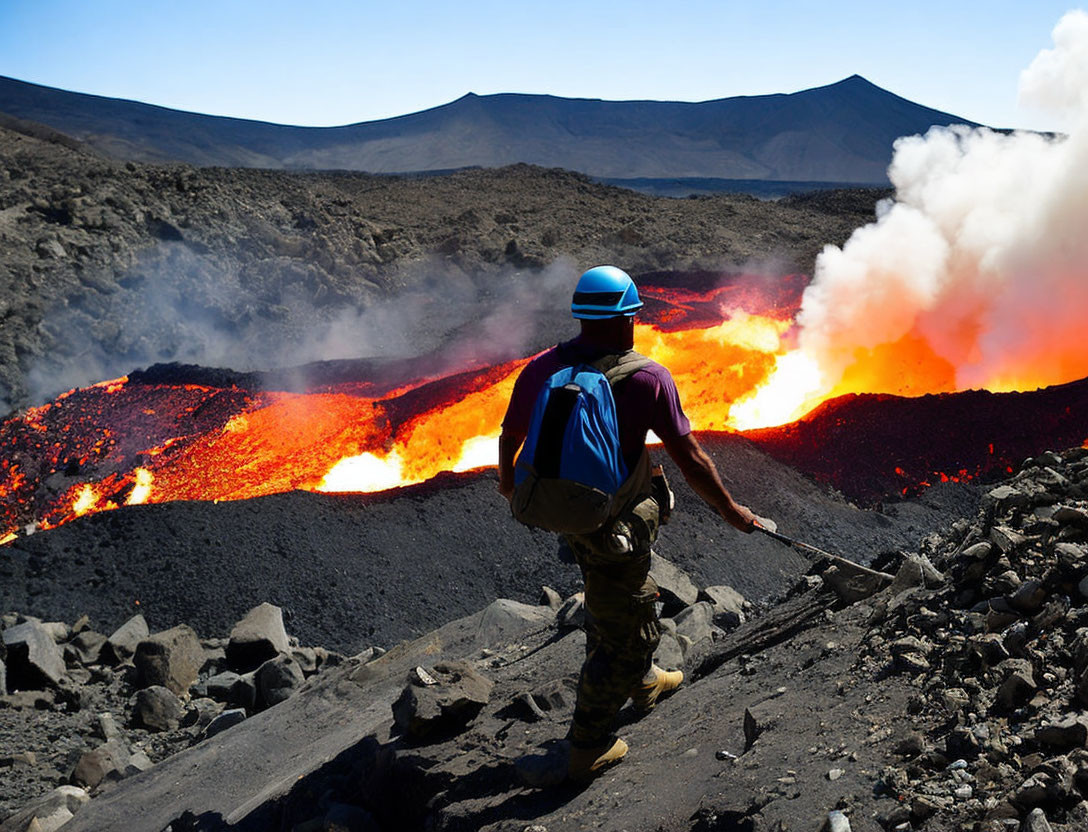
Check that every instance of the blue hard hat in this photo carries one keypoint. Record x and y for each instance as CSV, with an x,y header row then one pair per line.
x,y
605,292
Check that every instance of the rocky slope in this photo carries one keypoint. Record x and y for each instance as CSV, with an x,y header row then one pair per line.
x,y
106,266
353,571
951,699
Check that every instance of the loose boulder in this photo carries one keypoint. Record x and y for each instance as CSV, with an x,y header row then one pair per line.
x,y
33,659
277,679
669,654
677,589
108,760
86,647
121,645
172,658
225,720
258,637
697,623
157,709
232,689
49,812
439,702
1065,734
728,605
505,621
1018,686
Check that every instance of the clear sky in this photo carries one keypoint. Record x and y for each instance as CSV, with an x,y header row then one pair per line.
x,y
326,62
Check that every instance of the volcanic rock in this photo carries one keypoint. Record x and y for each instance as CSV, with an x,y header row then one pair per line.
x,y
109,759
443,704
86,647
232,689
916,570
172,658
48,813
852,582
1006,539
1029,597
121,645
33,658
504,620
307,659
201,712
107,726
978,551
549,597
1072,515
258,637
1019,683
58,630
1006,497
670,653
1036,822
677,589
1066,734
837,822
696,623
227,719
728,605
276,680
157,709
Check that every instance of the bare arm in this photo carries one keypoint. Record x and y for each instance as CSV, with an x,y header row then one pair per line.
x,y
702,475
509,442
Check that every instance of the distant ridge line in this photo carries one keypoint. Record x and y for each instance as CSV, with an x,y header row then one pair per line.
x,y
838,134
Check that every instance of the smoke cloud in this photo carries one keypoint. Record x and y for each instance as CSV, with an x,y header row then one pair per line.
x,y
980,263
183,310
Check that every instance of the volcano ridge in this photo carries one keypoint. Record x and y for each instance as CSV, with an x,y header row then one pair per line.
x,y
873,447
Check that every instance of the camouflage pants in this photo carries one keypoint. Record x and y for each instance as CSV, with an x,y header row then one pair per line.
x,y
622,632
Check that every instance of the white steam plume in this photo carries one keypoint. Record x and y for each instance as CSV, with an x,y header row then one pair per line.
x,y
983,253
465,321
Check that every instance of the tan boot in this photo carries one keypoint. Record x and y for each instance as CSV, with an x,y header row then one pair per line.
x,y
587,763
661,683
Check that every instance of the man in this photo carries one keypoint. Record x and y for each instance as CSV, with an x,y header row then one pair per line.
x,y
622,629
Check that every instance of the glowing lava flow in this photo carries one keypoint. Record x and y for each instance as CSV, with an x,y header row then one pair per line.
x,y
733,355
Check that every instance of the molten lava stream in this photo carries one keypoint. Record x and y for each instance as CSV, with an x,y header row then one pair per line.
x,y
259,444
160,443
458,434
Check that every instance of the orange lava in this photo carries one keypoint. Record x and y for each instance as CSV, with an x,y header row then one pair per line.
x,y
120,443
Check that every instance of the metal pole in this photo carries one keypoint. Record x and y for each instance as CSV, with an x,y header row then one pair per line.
x,y
797,544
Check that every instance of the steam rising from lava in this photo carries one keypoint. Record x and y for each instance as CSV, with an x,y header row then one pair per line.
x,y
975,275
189,308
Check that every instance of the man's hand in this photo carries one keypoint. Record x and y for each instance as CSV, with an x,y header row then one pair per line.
x,y
742,518
766,523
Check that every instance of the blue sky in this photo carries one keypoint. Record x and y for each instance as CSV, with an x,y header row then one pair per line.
x,y
337,62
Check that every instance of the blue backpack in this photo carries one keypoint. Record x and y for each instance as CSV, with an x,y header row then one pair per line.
x,y
570,468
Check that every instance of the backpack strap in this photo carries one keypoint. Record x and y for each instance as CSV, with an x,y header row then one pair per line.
x,y
618,367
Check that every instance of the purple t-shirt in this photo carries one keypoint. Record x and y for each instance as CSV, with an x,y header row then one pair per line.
x,y
647,400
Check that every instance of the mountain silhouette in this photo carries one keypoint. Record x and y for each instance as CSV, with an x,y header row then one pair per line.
x,y
840,133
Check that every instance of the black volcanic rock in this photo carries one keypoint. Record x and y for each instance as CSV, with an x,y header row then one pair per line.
x,y
841,132
351,571
872,447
